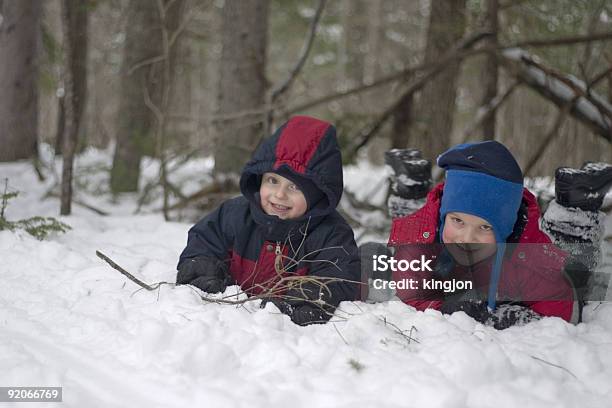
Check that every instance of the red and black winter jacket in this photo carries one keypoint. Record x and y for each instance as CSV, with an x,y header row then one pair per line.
x,y
532,274
319,244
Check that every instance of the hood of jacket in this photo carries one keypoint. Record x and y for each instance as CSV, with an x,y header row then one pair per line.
x,y
306,147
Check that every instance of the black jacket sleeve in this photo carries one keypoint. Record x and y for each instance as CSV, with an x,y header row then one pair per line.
x,y
335,255
213,236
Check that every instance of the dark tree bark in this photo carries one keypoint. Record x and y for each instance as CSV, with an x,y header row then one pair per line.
x,y
242,82
77,41
142,79
354,46
434,112
491,67
61,125
19,33
402,118
70,129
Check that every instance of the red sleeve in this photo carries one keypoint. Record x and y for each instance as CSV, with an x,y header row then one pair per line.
x,y
559,308
424,304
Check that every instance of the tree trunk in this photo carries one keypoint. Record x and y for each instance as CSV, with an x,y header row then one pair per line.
x,y
434,112
402,118
242,82
141,81
19,33
491,67
61,125
70,110
355,42
78,20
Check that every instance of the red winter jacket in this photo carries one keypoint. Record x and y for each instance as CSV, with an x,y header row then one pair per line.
x,y
532,274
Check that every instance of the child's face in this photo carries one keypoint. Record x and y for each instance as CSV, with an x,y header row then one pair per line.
x,y
281,197
472,237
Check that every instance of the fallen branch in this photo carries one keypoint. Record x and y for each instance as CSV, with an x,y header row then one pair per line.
x,y
127,274
588,107
561,41
83,204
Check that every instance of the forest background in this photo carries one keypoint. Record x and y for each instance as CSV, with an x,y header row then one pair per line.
x,y
179,79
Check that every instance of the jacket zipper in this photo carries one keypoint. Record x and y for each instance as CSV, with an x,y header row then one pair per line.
x,y
278,260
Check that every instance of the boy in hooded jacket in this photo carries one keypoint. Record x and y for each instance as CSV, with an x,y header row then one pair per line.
x,y
285,224
482,226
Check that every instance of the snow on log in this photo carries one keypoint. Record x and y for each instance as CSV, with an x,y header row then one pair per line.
x,y
561,89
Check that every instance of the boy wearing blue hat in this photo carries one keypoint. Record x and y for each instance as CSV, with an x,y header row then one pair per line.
x,y
487,227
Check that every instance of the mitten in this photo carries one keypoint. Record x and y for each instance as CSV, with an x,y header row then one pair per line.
x,y
206,273
477,309
306,304
507,315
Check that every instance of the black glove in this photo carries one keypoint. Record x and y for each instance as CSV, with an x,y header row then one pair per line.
x,y
476,309
302,314
209,274
505,315
307,304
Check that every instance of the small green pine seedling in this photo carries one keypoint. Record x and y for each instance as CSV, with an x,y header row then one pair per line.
x,y
39,227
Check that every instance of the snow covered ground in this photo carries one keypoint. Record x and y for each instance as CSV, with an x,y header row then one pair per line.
x,y
68,319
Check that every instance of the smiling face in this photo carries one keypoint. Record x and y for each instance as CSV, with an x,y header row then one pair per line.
x,y
469,239
281,197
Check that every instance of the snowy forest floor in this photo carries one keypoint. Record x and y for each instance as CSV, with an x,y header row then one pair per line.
x,y
68,319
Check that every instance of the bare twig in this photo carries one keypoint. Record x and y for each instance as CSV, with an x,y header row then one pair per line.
x,y
340,334
556,42
554,365
126,273
144,63
284,86
401,332
599,77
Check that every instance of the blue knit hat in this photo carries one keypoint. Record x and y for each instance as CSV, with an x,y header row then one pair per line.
x,y
483,179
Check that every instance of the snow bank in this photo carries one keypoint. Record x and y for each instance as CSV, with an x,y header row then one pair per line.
x,y
67,319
